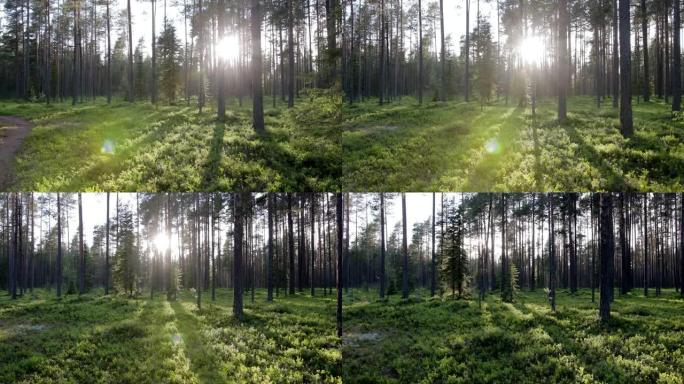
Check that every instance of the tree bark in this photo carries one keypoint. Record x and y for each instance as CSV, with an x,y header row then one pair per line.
x,y
339,262
257,86
606,204
131,93
238,275
552,256
626,127
269,264
562,61
644,36
58,267
676,59
290,244
404,245
382,245
81,254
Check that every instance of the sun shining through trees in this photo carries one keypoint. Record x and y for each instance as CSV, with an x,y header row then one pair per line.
x,y
532,50
131,76
468,274
228,48
162,242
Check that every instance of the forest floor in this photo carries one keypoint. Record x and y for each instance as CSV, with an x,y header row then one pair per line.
x,y
426,340
139,147
466,147
95,339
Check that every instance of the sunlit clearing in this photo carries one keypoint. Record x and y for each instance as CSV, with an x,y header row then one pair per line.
x,y
532,50
228,48
161,242
107,147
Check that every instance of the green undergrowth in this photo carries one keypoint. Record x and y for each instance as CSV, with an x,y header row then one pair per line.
x,y
140,147
89,339
95,339
498,147
426,340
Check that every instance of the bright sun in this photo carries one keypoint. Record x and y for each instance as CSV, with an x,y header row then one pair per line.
x,y
228,48
532,50
161,242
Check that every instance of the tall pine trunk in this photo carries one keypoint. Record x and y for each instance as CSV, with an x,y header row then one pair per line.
x,y
131,93
626,127
644,36
290,245
58,267
607,246
562,61
257,91
290,55
382,245
404,247
338,279
81,254
442,75
269,262
552,257
645,219
238,275
676,60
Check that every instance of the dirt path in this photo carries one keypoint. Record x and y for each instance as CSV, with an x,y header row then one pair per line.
x,y
13,131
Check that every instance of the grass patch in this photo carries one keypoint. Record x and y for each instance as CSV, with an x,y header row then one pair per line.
x,y
140,147
466,147
428,340
120,340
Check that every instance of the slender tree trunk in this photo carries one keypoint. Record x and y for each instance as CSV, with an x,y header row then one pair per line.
x,y
607,247
573,250
442,72
313,248
676,59
290,245
404,246
269,264
238,275
646,279
257,87
339,262
381,63
290,55
616,58
420,51
681,244
221,69
644,36
467,51
15,246
109,53
81,254
625,72
382,245
552,256
562,60
623,246
58,267
433,282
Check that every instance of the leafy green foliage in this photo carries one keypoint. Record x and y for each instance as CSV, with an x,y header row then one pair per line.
x,y
141,147
426,340
114,339
461,146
